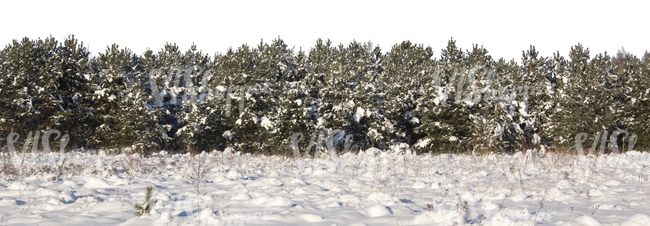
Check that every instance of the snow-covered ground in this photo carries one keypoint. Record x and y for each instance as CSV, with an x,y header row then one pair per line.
x,y
369,188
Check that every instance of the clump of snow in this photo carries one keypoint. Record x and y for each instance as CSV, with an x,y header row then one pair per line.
x,y
266,123
358,115
422,143
375,211
400,148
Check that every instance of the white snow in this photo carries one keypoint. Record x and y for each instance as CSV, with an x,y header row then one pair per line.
x,y
266,123
372,187
228,135
358,115
422,143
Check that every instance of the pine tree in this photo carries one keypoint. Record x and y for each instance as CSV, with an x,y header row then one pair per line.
x,y
332,105
190,94
321,95
271,101
628,86
642,106
71,63
30,96
407,70
534,94
581,104
203,119
173,82
367,123
120,118
503,96
293,112
478,83
445,120
558,76
165,72
234,75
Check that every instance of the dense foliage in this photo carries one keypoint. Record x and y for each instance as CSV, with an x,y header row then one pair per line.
x,y
254,99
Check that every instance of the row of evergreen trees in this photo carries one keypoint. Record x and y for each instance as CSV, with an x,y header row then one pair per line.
x,y
255,99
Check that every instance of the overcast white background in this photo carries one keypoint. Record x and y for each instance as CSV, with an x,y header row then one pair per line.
x,y
504,28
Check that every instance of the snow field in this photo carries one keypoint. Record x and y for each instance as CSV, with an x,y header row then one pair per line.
x,y
368,188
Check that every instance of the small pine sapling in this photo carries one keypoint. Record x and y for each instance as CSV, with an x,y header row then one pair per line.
x,y
146,206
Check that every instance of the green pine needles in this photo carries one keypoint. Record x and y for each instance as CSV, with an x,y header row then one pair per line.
x,y
255,98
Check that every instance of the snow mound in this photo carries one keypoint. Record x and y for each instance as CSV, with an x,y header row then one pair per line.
x,y
279,201
383,198
266,182
375,211
637,220
439,217
93,182
18,185
583,221
311,218
240,197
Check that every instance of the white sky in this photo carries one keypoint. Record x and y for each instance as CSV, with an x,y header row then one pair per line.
x,y
504,28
